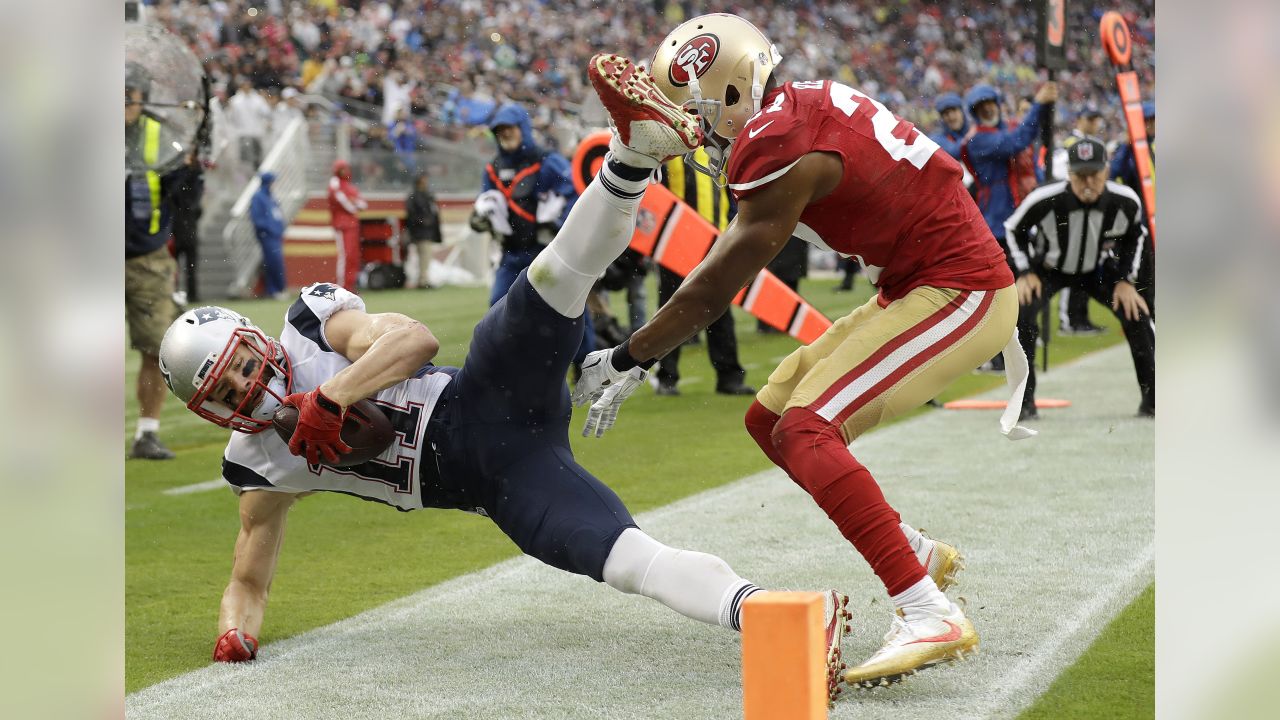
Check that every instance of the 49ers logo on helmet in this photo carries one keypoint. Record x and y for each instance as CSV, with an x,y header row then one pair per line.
x,y
693,57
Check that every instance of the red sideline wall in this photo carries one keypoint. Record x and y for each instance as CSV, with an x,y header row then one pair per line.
x,y
310,252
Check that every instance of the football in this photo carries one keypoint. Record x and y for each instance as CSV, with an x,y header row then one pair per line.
x,y
366,429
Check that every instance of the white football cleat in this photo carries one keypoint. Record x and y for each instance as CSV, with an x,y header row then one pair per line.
x,y
837,617
912,646
645,121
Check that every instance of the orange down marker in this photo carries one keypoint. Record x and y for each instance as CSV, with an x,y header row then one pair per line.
x,y
784,675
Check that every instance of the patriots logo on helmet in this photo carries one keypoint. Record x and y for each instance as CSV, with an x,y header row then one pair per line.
x,y
693,58
211,313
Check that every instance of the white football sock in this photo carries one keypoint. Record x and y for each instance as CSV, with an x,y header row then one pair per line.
x,y
598,229
146,424
921,598
694,584
914,538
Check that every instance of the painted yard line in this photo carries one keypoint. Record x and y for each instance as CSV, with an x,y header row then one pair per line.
x,y
205,486
1129,582
1044,524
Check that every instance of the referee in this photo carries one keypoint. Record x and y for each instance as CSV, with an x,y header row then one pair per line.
x,y
1086,234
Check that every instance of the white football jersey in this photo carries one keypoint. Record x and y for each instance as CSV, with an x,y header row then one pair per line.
x,y
263,461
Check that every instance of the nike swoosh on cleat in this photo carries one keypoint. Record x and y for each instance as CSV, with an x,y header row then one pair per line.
x,y
951,636
757,131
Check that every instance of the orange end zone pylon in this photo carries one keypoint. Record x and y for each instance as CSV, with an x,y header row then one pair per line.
x,y
1001,404
678,238
784,675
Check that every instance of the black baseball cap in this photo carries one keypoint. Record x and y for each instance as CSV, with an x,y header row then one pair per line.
x,y
1086,155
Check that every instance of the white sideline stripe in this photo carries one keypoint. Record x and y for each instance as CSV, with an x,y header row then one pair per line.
x,y
1128,583
196,487
1044,524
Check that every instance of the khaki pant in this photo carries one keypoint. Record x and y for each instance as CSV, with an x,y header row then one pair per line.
x,y
148,298
877,363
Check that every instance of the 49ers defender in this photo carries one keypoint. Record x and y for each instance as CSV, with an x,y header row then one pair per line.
x,y
824,162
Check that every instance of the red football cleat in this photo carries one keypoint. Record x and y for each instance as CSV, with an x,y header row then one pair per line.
x,y
645,120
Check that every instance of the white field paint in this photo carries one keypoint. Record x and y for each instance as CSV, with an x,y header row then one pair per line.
x,y
199,487
1057,531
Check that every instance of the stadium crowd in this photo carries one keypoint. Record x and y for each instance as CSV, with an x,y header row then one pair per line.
x,y
451,62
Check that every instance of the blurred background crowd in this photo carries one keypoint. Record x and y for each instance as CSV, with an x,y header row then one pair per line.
x,y
449,63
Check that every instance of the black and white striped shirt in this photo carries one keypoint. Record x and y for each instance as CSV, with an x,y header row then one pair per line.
x,y
1053,229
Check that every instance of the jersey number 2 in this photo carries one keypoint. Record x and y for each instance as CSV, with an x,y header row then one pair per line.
x,y
917,151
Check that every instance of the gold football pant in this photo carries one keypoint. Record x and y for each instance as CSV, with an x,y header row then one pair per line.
x,y
879,362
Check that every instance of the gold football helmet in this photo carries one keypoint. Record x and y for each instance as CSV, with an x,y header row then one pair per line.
x,y
712,65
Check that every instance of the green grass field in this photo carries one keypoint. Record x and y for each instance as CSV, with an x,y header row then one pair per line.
x,y
343,556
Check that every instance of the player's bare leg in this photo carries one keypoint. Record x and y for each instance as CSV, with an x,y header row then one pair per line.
x,y
648,129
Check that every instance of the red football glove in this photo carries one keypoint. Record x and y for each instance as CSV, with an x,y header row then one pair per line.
x,y
235,646
319,430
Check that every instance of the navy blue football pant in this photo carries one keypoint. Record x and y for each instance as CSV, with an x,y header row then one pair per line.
x,y
513,262
503,437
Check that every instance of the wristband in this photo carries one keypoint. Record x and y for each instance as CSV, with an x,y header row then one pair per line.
x,y
622,360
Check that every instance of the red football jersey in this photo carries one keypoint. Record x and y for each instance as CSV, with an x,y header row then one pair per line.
x,y
901,209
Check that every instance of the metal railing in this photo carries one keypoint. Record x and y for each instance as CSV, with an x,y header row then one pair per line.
x,y
288,160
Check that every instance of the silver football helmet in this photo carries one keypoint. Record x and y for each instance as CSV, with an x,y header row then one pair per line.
x,y
199,347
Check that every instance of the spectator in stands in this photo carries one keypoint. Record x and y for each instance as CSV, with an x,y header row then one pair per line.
x,y
404,138
148,267
715,205
906,51
997,156
268,225
955,125
345,205
999,160
422,222
187,197
250,116
288,109
526,193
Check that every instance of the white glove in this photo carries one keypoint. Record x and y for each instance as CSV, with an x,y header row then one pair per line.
x,y
492,204
604,412
597,374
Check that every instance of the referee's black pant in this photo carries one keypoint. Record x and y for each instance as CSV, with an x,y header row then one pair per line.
x,y
1140,333
722,342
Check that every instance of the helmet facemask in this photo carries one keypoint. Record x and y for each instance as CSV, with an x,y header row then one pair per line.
x,y
270,384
